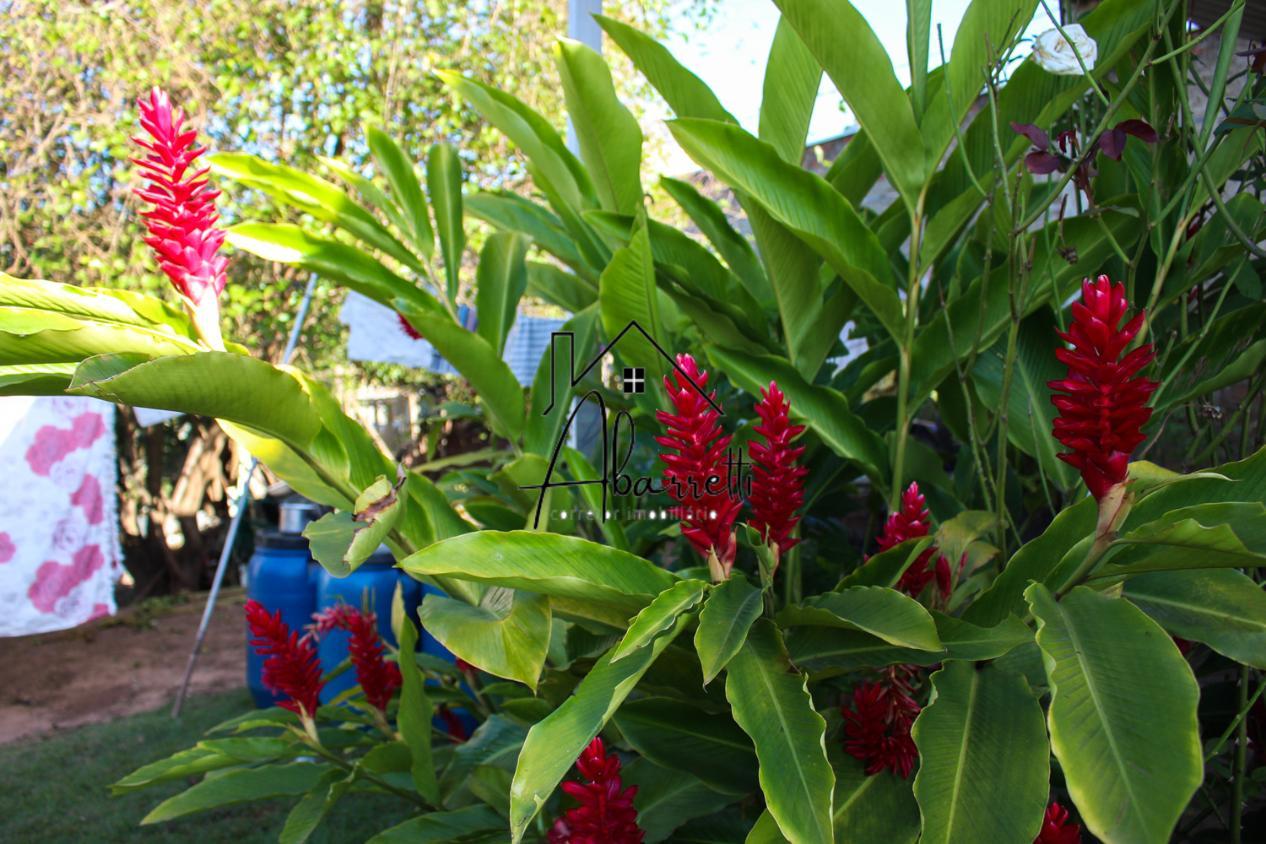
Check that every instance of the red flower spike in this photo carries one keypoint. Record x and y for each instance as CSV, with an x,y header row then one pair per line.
x,y
182,222
912,521
408,329
378,677
1103,405
697,477
1057,828
777,480
605,814
877,727
291,666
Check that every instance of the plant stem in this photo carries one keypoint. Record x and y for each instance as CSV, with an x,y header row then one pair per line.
x,y
905,352
1241,758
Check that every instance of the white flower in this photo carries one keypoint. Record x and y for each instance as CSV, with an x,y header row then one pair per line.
x,y
1056,54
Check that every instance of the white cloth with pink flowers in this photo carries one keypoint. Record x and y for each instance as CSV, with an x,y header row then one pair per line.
x,y
59,543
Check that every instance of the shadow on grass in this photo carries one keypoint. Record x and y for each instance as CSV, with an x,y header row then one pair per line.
x,y
56,789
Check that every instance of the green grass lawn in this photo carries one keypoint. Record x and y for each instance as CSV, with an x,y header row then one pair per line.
x,y
56,789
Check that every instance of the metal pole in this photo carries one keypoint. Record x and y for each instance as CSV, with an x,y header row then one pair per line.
x,y
243,502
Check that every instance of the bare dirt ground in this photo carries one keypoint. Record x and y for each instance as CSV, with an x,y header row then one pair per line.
x,y
132,662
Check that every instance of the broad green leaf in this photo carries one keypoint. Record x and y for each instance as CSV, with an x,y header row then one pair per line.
x,y
559,287
918,36
553,744
477,361
444,183
789,93
1224,609
502,278
308,813
341,541
808,206
1215,535
368,191
667,798
511,212
240,786
626,293
442,827
686,94
559,566
732,246
848,49
313,195
1122,716
827,651
823,409
414,717
610,139
771,702
557,169
495,742
680,736
1030,414
405,187
328,258
886,613
659,615
221,384
886,567
873,807
209,755
983,757
729,613
507,634
121,307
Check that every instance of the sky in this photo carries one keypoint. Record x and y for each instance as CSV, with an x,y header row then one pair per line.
x,y
730,53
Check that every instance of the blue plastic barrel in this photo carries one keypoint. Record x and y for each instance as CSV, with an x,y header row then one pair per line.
x,y
370,587
278,577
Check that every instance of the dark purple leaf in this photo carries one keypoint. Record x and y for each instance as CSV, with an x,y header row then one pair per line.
x,y
1036,136
1112,142
1042,163
1140,129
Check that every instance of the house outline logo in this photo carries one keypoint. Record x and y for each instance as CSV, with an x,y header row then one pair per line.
x,y
612,469
575,378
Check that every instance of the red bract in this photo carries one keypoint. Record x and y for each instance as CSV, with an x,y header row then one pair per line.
x,y
697,476
407,328
777,481
912,521
291,666
877,727
1057,828
605,814
378,677
1104,401
182,223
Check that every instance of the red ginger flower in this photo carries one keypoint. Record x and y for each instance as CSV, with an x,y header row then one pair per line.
x,y
877,727
605,814
1104,404
697,476
291,667
777,481
1057,829
182,223
378,677
407,327
912,521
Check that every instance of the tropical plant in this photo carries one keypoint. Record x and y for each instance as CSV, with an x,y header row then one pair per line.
x,y
1004,667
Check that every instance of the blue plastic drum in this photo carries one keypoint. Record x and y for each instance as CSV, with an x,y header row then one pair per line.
x,y
370,587
278,577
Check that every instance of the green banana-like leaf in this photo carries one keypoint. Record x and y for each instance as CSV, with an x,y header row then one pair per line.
x,y
771,702
405,188
627,293
1224,609
555,285
444,183
984,762
659,615
549,564
677,735
1122,717
724,622
507,634
414,717
666,798
610,139
502,279
553,744
789,93
732,246
872,807
851,54
511,212
885,613
473,823
242,785
1214,535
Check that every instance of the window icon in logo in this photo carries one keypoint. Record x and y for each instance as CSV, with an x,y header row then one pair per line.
x,y
634,380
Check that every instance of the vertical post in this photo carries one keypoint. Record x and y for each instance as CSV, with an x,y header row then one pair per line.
x,y
243,503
